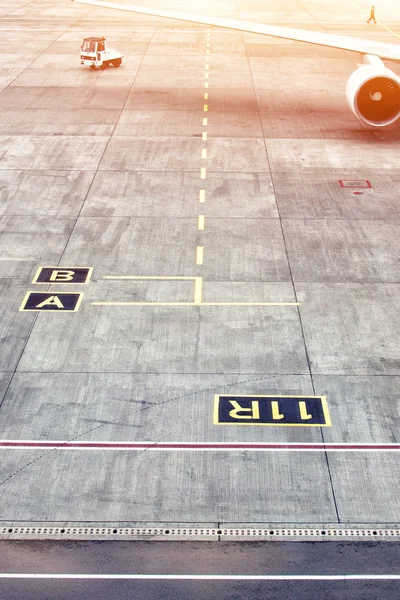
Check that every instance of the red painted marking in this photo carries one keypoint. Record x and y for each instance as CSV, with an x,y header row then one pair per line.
x,y
347,183
195,446
358,193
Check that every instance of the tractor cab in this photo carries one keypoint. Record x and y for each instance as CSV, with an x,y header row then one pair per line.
x,y
91,45
94,53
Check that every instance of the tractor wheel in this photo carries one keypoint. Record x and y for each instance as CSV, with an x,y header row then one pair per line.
x,y
104,65
117,63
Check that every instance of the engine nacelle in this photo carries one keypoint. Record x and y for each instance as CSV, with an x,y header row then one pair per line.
x,y
373,94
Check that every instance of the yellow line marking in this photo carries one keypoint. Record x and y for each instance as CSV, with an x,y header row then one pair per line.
x,y
200,225
204,153
207,58
195,303
205,108
198,290
207,51
202,173
204,136
206,75
202,195
206,84
207,67
326,412
208,44
205,121
387,28
205,95
199,255
250,303
144,277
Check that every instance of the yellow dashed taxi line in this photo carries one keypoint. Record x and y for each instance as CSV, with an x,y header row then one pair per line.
x,y
198,285
199,255
202,192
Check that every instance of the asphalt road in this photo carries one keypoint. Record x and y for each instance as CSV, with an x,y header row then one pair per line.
x,y
154,570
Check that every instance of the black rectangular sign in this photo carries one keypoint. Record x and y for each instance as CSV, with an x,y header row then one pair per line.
x,y
50,301
301,411
63,275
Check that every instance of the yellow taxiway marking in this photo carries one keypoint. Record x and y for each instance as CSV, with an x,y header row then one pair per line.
x,y
207,58
202,195
199,255
205,95
207,67
205,108
390,31
202,173
204,136
206,84
145,277
198,284
204,153
206,75
205,121
207,51
200,224
195,303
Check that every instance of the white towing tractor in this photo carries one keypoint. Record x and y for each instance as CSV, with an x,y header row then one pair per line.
x,y
94,53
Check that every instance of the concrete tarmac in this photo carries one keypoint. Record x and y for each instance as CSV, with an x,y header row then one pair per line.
x,y
232,230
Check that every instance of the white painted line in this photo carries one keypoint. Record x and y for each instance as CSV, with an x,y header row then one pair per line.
x,y
350,577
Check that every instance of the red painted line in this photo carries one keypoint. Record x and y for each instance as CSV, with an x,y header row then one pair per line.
x,y
266,446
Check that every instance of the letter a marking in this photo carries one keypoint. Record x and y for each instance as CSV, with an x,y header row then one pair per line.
x,y
51,301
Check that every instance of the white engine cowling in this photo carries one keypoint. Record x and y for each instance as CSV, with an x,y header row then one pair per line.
x,y
373,94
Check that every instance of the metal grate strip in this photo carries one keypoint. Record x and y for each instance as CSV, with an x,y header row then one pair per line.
x,y
12,532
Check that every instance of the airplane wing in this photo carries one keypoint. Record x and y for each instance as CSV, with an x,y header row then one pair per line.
x,y
319,38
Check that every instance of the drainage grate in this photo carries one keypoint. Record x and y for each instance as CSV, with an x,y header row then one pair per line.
x,y
12,532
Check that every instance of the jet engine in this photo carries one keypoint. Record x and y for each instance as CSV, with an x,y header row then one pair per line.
x,y
373,93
